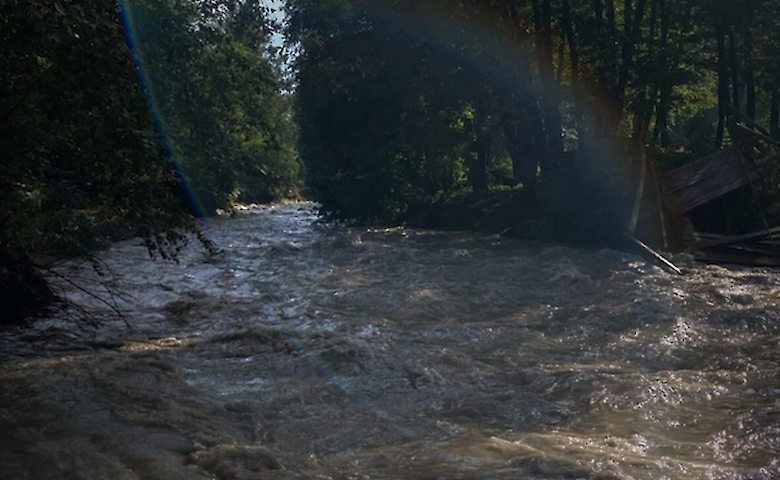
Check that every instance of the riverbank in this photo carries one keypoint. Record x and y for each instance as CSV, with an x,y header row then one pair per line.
x,y
487,212
520,214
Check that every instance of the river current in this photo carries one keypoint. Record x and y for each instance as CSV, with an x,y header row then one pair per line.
x,y
304,350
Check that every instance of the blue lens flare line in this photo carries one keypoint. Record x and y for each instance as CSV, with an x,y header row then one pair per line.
x,y
145,78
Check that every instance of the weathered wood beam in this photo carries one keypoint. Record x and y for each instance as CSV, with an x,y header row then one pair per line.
x,y
728,240
737,258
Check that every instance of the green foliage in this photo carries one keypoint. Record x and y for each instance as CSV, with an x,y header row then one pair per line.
x,y
88,147
82,157
386,112
218,95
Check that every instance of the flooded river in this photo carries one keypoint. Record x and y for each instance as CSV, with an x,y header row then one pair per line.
x,y
308,351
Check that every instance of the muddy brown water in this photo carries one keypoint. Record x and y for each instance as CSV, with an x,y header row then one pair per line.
x,y
310,351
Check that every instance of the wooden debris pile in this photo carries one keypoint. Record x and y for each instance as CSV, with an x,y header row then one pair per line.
x,y
756,248
683,189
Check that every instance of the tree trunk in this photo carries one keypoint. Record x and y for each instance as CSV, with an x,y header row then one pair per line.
x,y
478,166
627,4
665,86
574,60
662,117
774,114
750,78
723,86
521,122
552,120
612,38
518,147
574,57
598,10
549,95
561,58
629,47
734,68
646,99
480,180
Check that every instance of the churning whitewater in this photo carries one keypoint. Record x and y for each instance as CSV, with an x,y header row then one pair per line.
x,y
304,350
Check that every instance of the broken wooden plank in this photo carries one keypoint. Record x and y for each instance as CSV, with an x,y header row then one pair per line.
x,y
704,236
737,258
758,134
748,167
727,240
700,170
757,248
706,179
688,199
655,256
735,112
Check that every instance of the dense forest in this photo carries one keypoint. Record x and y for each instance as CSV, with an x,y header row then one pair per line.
x,y
403,104
133,118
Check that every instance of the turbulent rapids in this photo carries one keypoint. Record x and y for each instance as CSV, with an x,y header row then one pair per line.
x,y
304,350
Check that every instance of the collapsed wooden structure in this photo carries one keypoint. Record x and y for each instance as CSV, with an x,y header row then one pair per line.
x,y
676,193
